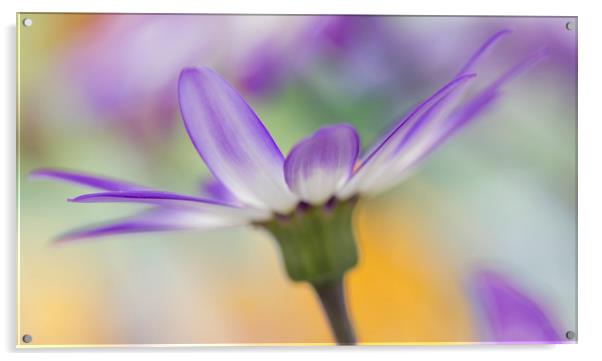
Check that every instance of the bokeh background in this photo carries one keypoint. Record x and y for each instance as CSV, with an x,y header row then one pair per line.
x,y
97,94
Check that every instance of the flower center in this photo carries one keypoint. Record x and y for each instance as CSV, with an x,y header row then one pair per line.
x,y
317,243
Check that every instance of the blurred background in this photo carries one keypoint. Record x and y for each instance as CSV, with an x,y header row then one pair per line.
x,y
479,245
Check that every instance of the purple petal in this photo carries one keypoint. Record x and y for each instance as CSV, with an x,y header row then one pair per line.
x,y
321,164
155,220
232,141
429,127
379,158
174,200
469,111
215,190
416,114
468,67
512,316
86,180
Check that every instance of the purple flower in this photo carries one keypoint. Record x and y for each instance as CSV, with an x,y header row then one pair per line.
x,y
114,68
117,73
306,199
510,314
256,183
360,53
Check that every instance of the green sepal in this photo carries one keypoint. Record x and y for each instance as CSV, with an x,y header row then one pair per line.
x,y
317,243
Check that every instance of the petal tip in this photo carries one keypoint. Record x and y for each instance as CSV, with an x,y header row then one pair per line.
x,y
504,31
41,173
35,174
196,71
78,199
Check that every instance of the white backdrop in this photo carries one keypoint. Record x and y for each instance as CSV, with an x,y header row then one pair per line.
x,y
590,154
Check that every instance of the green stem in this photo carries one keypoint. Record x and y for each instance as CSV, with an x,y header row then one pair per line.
x,y
332,298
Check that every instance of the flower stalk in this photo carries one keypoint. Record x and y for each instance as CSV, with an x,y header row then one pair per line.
x,y
332,298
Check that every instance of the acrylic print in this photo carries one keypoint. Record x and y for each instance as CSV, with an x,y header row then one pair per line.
x,y
296,180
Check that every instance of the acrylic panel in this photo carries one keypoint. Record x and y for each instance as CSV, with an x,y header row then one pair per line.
x,y
295,180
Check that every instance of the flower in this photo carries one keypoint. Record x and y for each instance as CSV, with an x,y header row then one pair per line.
x,y
305,199
119,79
117,74
510,314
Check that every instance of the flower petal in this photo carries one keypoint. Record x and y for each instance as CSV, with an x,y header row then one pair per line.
x,y
321,164
232,141
85,179
511,315
175,200
377,162
468,111
158,219
441,125
472,61
467,68
428,126
215,190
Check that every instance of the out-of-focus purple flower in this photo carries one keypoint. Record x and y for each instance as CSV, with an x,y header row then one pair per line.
x,y
263,69
278,50
259,184
126,68
511,315
366,54
360,54
389,56
116,67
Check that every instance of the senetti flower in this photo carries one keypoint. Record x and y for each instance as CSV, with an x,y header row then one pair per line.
x,y
305,200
